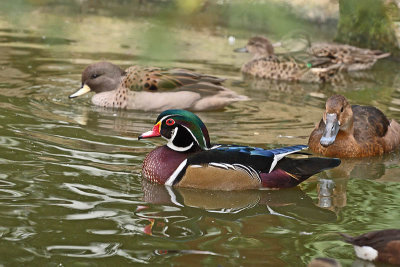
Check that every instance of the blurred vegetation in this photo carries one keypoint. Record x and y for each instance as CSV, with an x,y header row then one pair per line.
x,y
262,16
368,23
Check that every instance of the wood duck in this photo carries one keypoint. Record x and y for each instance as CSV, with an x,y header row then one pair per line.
x,y
383,245
154,88
265,64
353,131
189,159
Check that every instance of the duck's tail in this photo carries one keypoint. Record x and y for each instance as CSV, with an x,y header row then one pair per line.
x,y
383,55
290,172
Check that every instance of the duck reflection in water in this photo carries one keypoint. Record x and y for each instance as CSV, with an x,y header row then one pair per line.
x,y
291,203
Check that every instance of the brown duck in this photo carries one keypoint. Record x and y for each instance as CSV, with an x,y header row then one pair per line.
x,y
350,57
265,64
154,88
383,245
353,131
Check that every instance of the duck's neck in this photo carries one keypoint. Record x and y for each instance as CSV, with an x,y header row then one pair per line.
x,y
348,128
262,55
117,98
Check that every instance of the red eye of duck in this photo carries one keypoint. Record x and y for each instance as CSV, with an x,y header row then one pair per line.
x,y
170,122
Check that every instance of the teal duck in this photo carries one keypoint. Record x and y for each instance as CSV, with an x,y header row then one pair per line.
x,y
265,64
189,159
350,57
156,89
382,245
353,131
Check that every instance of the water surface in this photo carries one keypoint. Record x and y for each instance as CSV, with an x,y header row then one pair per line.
x,y
70,185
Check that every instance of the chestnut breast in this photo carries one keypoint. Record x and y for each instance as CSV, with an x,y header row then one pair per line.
x,y
160,163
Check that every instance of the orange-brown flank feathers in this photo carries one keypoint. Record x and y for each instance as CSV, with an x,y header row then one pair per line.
x,y
353,131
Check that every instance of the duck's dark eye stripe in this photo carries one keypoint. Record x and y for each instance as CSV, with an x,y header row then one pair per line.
x,y
94,76
341,110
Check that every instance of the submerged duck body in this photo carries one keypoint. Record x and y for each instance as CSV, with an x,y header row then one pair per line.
x,y
382,245
189,160
353,131
265,64
147,89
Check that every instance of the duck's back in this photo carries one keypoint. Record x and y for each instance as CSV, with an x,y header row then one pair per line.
x,y
288,69
369,123
353,58
148,89
271,67
150,79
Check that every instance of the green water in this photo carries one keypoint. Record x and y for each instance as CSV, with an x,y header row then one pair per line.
x,y
70,186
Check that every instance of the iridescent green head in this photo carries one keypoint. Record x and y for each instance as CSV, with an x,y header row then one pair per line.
x,y
183,130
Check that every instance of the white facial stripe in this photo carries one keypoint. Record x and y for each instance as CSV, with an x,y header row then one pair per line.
x,y
171,145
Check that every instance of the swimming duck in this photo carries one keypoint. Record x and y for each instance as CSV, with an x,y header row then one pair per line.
x,y
153,88
265,64
383,245
353,131
350,57
189,159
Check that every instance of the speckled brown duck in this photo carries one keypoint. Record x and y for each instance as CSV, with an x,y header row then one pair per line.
x,y
265,64
158,89
353,131
382,245
350,57
189,159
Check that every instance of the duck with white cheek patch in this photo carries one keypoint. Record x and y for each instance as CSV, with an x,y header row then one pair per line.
x,y
189,160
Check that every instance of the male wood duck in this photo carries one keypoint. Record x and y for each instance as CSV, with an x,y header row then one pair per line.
x,y
383,245
189,159
265,64
154,88
350,57
353,131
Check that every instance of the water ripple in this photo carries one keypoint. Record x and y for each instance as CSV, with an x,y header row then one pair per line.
x,y
94,250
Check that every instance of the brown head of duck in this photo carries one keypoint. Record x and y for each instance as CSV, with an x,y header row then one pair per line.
x,y
258,46
99,77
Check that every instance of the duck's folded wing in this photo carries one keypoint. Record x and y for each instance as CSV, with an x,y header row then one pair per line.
x,y
156,79
375,239
240,167
369,122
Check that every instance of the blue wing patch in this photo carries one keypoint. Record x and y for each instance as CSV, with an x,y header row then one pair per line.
x,y
253,151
